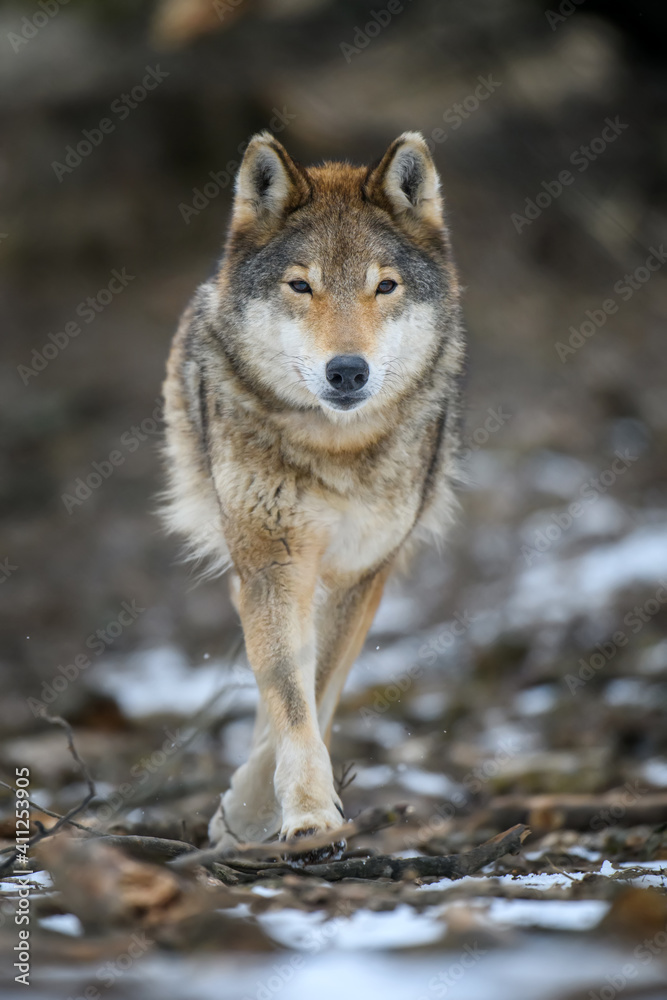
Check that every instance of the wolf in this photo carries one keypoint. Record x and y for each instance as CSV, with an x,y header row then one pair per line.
x,y
312,411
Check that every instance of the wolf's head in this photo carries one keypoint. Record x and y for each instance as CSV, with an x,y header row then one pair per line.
x,y
338,280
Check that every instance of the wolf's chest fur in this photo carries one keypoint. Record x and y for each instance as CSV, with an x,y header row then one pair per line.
x,y
357,507
360,535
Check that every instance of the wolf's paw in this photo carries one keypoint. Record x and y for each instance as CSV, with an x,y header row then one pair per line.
x,y
313,825
318,855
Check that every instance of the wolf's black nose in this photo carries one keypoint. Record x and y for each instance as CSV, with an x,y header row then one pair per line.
x,y
347,373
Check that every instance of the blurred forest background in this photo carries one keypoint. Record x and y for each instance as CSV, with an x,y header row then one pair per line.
x,y
531,656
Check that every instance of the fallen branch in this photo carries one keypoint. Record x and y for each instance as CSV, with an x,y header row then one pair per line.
x,y
579,812
229,876
449,866
155,849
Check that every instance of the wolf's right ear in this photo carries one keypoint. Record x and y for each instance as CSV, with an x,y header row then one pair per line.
x,y
269,184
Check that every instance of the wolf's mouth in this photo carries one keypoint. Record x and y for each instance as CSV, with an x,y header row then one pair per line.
x,y
345,401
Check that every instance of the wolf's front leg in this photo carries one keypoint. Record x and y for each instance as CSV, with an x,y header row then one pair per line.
x,y
249,810
276,607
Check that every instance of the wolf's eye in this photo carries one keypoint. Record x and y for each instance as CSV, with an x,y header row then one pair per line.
x,y
386,286
300,286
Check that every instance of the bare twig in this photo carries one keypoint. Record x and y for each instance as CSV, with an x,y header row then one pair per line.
x,y
198,723
63,820
559,870
48,812
250,865
347,776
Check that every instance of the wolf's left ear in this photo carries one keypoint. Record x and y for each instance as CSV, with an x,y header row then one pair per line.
x,y
269,183
406,183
